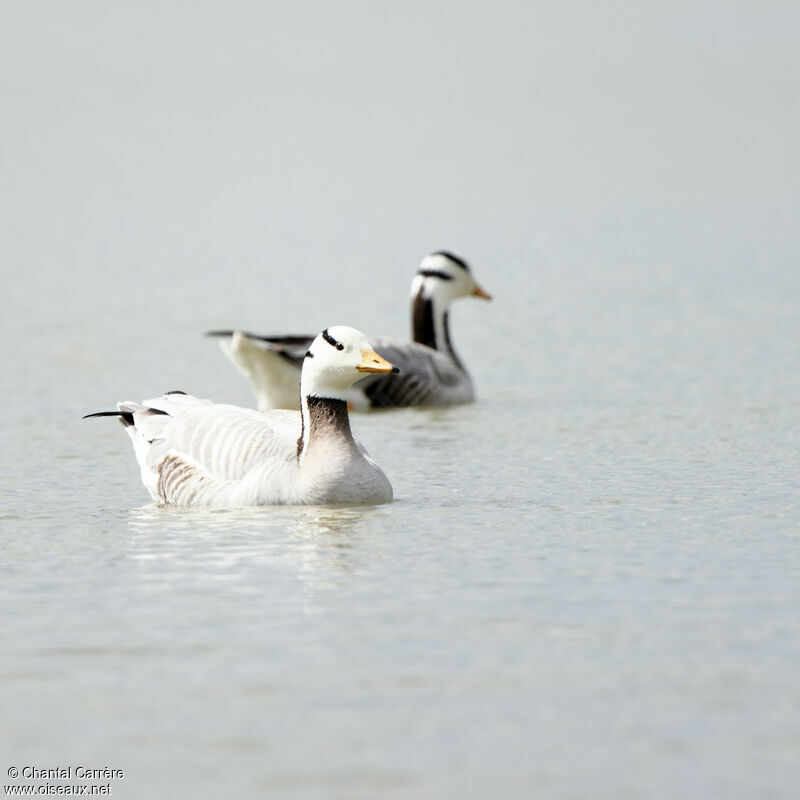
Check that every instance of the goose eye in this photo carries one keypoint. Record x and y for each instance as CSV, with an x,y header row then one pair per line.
x,y
339,346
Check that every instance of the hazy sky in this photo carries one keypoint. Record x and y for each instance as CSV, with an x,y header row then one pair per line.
x,y
227,136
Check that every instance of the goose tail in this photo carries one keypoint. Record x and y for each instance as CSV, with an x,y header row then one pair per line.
x,y
272,364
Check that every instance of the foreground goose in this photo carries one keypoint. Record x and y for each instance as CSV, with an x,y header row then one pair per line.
x,y
196,453
431,374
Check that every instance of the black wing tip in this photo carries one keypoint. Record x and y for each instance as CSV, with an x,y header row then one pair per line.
x,y
126,417
285,340
174,391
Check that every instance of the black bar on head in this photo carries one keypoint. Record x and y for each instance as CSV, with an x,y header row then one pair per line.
x,y
434,273
453,257
331,341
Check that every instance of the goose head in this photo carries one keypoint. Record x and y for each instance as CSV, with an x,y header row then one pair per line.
x,y
337,358
444,277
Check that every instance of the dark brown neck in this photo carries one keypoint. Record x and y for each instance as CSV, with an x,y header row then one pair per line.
x,y
425,330
323,418
447,343
423,325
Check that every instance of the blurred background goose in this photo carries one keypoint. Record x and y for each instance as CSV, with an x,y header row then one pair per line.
x,y
431,373
194,452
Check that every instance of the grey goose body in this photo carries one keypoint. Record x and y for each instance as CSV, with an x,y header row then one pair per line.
x,y
431,372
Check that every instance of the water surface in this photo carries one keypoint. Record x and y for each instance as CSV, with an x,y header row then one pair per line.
x,y
589,583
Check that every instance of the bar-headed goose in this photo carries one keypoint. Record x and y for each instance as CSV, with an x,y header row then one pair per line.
x,y
197,453
431,373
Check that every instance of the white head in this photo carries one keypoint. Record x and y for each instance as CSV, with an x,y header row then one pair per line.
x,y
337,358
444,277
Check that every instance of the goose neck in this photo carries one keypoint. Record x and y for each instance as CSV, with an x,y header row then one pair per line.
x,y
430,324
324,420
427,320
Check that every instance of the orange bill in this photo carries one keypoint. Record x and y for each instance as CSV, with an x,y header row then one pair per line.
x,y
372,362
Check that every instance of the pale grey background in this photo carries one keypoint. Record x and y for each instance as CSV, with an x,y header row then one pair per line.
x,y
588,585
